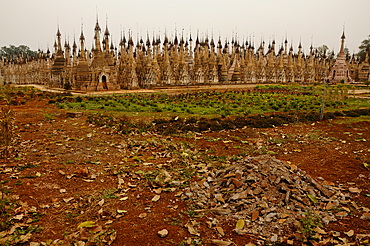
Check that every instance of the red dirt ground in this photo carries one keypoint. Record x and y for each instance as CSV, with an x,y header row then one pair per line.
x,y
64,168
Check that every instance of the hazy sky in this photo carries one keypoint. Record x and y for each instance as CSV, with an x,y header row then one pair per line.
x,y
34,22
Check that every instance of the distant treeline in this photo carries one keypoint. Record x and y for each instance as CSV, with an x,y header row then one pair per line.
x,y
14,53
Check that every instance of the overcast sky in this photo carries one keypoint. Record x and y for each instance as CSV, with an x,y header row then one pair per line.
x,y
34,22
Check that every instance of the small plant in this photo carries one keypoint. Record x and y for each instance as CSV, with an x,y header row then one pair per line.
x,y
309,222
191,212
173,221
36,216
108,194
191,242
49,117
21,168
277,140
71,215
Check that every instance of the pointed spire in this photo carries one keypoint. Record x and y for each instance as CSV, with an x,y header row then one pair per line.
x,y
124,38
106,33
97,35
97,27
212,42
176,41
343,36
74,43
58,32
130,41
147,40
111,45
82,37
341,52
59,44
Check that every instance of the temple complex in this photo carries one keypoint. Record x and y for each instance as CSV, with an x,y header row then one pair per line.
x,y
178,62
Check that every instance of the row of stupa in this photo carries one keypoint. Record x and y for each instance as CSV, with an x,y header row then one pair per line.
x,y
178,62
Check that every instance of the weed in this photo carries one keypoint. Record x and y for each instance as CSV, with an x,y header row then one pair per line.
x,y
170,242
29,229
187,173
309,222
36,216
314,136
333,139
150,176
49,117
277,140
108,194
191,212
21,168
71,215
192,242
5,191
173,221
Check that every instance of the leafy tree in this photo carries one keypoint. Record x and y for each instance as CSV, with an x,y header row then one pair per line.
x,y
12,52
364,47
323,49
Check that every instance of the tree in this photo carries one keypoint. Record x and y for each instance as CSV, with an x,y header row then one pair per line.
x,y
364,47
321,50
13,52
324,49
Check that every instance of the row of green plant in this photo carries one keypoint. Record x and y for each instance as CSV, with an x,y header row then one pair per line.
x,y
213,103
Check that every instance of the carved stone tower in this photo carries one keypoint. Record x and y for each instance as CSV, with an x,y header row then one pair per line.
x,y
339,72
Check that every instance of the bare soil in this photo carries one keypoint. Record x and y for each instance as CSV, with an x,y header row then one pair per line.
x,y
71,172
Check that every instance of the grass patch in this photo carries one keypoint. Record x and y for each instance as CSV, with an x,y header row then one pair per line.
x,y
351,120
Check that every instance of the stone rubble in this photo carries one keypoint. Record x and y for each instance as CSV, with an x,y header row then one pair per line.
x,y
270,195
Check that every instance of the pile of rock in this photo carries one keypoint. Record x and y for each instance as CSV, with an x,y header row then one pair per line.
x,y
271,196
